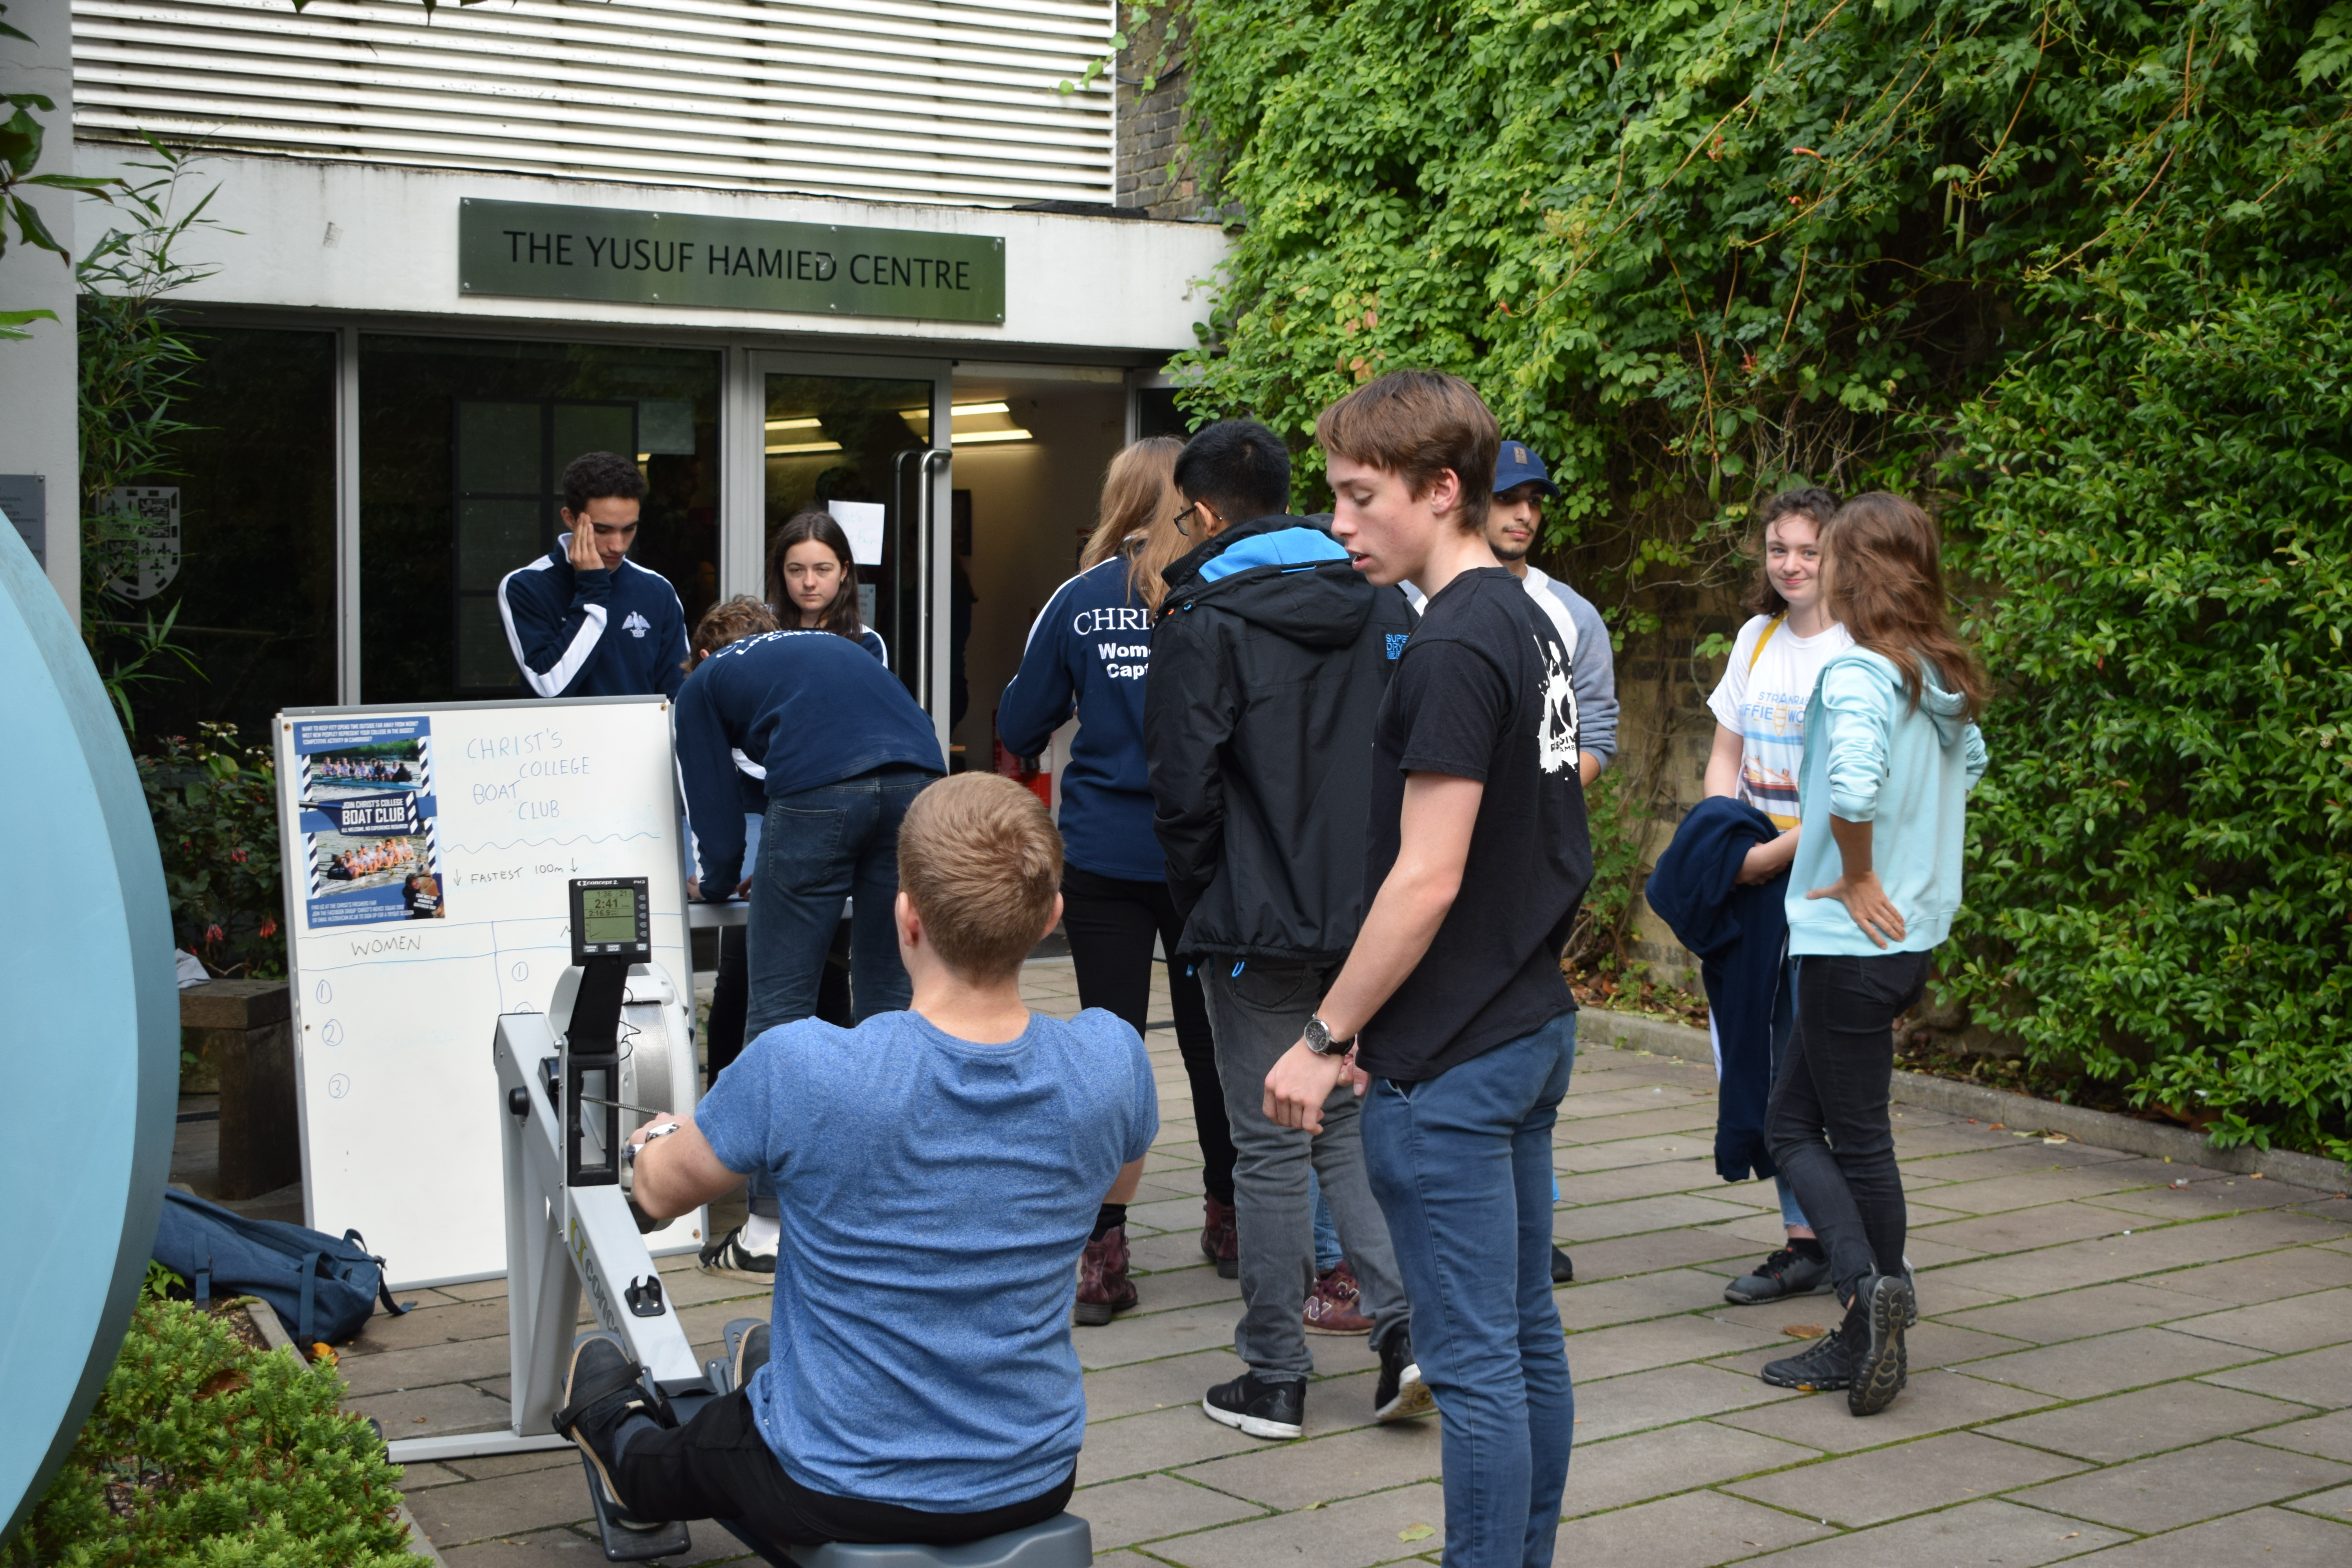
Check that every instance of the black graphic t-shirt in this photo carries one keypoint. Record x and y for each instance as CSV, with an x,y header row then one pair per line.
x,y
1481,692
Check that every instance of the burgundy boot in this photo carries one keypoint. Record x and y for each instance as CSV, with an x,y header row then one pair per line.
x,y
1220,1239
1104,1289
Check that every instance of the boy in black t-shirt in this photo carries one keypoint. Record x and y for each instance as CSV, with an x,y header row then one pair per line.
x,y
1451,1008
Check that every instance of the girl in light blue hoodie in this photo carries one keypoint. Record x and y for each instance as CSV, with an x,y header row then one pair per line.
x,y
1891,749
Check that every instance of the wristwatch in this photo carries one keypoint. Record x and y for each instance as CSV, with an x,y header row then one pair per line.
x,y
1318,1039
629,1152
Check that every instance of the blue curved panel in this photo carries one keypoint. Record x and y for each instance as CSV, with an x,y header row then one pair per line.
x,y
93,1045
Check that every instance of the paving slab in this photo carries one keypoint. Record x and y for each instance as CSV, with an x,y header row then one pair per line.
x,y
2292,1272
2273,1537
1662,1342
1354,1534
2021,1229
1672,1212
1933,1402
1988,1532
2110,1363
1147,1508
1611,1407
1157,1441
1623,1470
2029,1189
1660,1295
1730,1256
2336,1504
2078,1314
2329,1436
2146,1421
1320,1470
2288,1324
512,1505
1695,1530
1881,1484
2187,1485
2315,1377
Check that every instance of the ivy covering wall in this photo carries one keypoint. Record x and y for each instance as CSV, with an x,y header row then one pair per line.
x,y
2072,273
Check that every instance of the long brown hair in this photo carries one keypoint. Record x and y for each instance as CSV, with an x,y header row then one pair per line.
x,y
1886,583
1139,496
840,616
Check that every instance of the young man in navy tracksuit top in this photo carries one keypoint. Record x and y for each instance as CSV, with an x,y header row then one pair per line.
x,y
583,620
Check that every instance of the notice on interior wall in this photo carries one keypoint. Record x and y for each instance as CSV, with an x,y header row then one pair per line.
x,y
863,521
493,808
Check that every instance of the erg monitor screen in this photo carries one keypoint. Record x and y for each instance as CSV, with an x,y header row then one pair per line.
x,y
608,915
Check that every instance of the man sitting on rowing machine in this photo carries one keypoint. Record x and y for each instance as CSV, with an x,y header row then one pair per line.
x,y
939,1171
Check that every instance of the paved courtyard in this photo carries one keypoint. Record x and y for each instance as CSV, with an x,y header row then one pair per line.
x,y
2120,1360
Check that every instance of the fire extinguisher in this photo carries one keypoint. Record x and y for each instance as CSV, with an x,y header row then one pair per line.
x,y
1035,773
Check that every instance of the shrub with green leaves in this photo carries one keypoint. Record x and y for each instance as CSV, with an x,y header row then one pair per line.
x,y
2159,893
205,1453
213,800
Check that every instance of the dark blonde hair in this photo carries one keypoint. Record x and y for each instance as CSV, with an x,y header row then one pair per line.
x,y
730,620
1886,558
1416,424
841,615
981,861
1139,497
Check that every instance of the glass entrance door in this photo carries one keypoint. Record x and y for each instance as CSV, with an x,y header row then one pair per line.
x,y
852,438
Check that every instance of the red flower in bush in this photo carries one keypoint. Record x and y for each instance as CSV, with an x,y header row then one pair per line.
x,y
214,933
237,855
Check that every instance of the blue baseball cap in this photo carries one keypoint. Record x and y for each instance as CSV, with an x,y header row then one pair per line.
x,y
1518,465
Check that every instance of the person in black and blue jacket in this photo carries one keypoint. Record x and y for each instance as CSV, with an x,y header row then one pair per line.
x,y
1087,654
583,620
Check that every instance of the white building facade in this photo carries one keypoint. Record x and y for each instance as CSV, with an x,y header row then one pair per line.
x,y
785,255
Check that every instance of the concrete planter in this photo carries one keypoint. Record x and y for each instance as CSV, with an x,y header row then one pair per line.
x,y
1628,1031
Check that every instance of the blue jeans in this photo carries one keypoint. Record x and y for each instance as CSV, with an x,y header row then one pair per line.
x,y
817,848
1461,1166
1327,1255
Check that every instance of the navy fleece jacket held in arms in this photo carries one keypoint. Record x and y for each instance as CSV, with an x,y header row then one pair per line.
x,y
811,707
1088,653
1738,933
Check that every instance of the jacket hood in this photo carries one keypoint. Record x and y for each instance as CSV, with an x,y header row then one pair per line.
x,y
1947,711
1281,573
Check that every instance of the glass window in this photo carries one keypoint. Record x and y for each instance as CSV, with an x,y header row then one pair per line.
x,y
462,448
253,568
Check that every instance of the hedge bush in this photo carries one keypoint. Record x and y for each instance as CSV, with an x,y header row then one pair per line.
x,y
205,1453
213,800
2159,893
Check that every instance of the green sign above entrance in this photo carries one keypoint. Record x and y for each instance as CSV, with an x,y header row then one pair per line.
x,y
728,263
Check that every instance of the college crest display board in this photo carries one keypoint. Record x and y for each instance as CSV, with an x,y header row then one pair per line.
x,y
428,851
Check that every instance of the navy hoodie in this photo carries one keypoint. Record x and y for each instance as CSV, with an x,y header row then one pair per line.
x,y
812,707
1087,652
1739,934
594,634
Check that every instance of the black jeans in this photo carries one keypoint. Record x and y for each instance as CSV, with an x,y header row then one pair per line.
x,y
1828,1124
718,1465
1110,924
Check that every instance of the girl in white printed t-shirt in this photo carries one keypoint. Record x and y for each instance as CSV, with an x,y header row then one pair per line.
x,y
1760,742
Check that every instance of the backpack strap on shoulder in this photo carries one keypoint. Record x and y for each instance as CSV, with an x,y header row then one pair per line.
x,y
1758,651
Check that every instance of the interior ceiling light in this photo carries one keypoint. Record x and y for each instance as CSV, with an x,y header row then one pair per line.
x,y
974,424
810,423
802,448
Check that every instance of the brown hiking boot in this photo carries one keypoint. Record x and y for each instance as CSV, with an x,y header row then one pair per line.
x,y
1335,1307
1220,1239
1104,1289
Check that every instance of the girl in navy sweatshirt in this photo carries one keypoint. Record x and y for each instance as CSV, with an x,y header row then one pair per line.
x,y
1087,654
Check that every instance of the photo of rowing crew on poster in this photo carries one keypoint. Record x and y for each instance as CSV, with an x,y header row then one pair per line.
x,y
367,810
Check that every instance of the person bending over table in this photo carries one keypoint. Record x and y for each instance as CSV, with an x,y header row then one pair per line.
x,y
939,1171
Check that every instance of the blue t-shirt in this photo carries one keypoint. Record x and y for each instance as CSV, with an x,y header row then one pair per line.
x,y
935,1196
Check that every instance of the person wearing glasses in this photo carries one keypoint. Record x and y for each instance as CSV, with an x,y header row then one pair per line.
x,y
583,620
1269,664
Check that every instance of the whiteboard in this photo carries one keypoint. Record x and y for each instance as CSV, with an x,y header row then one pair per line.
x,y
428,851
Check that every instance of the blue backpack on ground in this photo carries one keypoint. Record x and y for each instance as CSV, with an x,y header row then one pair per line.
x,y
322,1288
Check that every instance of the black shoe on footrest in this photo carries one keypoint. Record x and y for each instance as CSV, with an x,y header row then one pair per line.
x,y
604,1390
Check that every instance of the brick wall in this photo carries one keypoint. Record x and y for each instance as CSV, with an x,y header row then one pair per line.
x,y
1151,125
